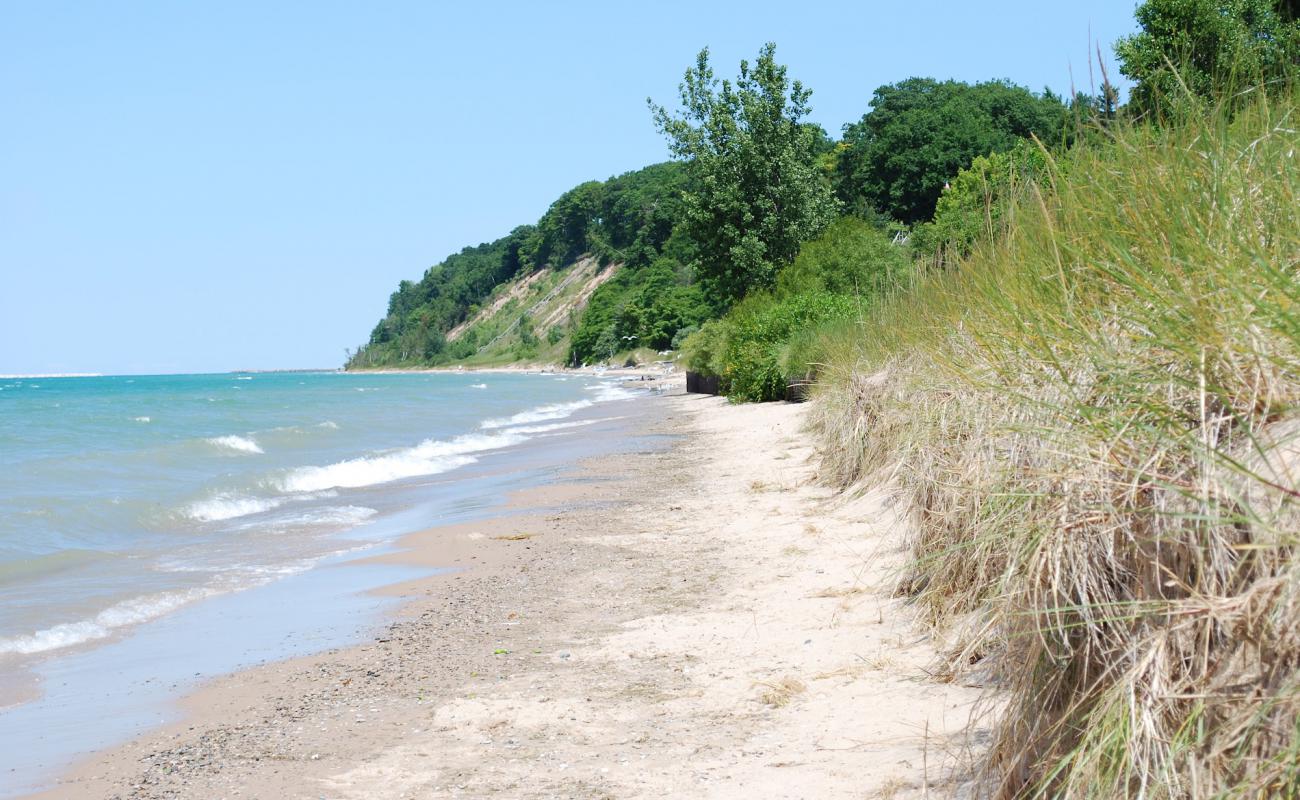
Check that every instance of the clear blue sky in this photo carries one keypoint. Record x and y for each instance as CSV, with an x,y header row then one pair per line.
x,y
213,186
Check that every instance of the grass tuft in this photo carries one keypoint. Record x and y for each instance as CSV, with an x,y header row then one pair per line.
x,y
778,694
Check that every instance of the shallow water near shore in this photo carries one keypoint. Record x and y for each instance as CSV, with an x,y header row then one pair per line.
x,y
172,554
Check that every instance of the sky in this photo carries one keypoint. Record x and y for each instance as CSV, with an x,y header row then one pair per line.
x,y
202,187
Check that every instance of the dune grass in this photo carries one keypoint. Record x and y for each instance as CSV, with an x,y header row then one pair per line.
x,y
1093,419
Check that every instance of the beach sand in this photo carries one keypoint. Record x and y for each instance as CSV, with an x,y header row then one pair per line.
x,y
700,620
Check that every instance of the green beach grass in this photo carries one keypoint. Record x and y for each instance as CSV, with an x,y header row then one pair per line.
x,y
1093,419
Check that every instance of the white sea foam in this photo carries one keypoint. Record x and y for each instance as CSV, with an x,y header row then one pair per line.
x,y
239,444
606,392
478,386
539,414
330,515
225,506
143,419
101,626
427,458
556,426
329,424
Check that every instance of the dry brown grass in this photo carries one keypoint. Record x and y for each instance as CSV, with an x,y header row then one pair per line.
x,y
1095,423
891,789
845,591
778,694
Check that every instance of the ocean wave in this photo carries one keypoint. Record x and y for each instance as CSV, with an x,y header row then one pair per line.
x,y
478,386
605,392
102,625
557,426
225,506
239,444
539,414
329,515
427,458
142,419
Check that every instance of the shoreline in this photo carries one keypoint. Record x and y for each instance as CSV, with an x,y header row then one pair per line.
x,y
697,620
528,369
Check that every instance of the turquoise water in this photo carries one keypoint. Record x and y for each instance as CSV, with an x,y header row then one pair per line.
x,y
124,500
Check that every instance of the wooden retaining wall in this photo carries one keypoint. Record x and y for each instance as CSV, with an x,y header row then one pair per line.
x,y
701,384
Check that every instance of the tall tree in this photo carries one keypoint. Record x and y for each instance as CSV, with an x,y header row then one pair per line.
x,y
756,190
1199,47
921,132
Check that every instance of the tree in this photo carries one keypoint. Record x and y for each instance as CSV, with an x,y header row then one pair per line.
x,y
1194,48
562,234
755,190
921,132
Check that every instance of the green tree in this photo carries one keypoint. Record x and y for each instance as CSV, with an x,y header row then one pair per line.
x,y
1195,48
921,132
756,190
562,234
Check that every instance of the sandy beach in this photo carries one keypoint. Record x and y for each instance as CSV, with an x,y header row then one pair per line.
x,y
695,620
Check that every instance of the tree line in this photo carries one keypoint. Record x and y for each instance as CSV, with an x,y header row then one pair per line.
x,y
754,185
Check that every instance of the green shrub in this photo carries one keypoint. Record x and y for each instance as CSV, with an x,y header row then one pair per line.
x,y
682,335
971,209
808,351
851,257
702,350
759,329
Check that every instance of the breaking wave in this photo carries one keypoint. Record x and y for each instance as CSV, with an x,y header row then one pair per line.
x,y
539,414
226,506
102,625
238,444
427,458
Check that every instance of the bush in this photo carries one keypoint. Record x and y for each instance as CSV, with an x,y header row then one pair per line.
x,y
851,257
702,350
759,329
971,210
808,351
772,338
682,335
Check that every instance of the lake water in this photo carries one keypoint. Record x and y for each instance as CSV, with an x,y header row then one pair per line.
x,y
159,529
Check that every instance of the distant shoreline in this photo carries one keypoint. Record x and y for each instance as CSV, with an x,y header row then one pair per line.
x,y
522,369
17,377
